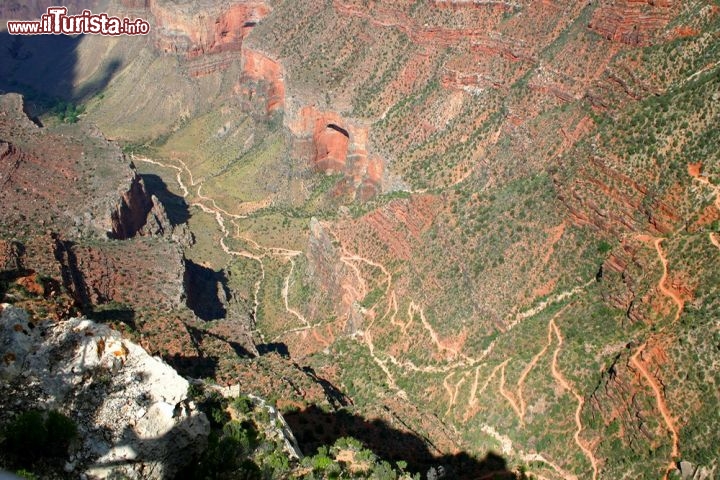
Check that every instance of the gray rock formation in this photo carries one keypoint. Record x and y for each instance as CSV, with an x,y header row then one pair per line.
x,y
131,409
277,428
688,471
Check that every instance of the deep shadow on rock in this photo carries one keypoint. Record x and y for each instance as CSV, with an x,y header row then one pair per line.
x,y
277,347
175,205
334,395
121,314
43,69
314,427
206,290
194,366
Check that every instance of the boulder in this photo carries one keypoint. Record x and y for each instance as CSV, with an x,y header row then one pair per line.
x,y
131,409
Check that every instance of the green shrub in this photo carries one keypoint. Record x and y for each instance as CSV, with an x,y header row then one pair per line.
x,y
26,434
243,435
277,463
26,474
35,433
61,431
321,461
195,391
604,247
243,404
219,416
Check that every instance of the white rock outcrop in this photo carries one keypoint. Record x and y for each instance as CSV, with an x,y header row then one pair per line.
x,y
131,409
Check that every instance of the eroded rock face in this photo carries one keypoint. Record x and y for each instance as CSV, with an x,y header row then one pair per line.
x,y
10,256
331,146
339,145
188,29
622,268
139,213
132,210
632,22
617,398
259,67
207,35
131,409
111,273
474,4
10,160
623,197
79,184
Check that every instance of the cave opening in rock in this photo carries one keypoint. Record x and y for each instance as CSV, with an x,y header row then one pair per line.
x,y
337,128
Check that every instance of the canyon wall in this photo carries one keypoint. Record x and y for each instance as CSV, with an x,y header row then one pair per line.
x,y
187,30
632,22
258,67
131,211
337,145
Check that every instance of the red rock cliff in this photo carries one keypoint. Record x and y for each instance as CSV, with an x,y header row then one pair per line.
x,y
259,67
633,22
131,211
187,30
339,145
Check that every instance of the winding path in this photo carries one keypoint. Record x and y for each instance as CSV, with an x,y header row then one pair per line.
x,y
518,404
174,167
507,449
694,171
526,371
661,284
662,406
508,395
474,392
286,288
382,359
531,312
557,375
220,215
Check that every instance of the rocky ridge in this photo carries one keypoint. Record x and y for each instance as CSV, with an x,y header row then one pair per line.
x,y
132,410
543,167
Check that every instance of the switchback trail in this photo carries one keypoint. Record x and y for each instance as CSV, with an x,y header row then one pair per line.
x,y
694,171
286,288
557,375
220,215
526,371
662,406
457,360
508,449
474,392
452,386
508,395
531,312
518,404
661,284
668,292
413,309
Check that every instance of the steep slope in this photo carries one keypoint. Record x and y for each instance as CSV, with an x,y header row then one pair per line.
x,y
502,214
